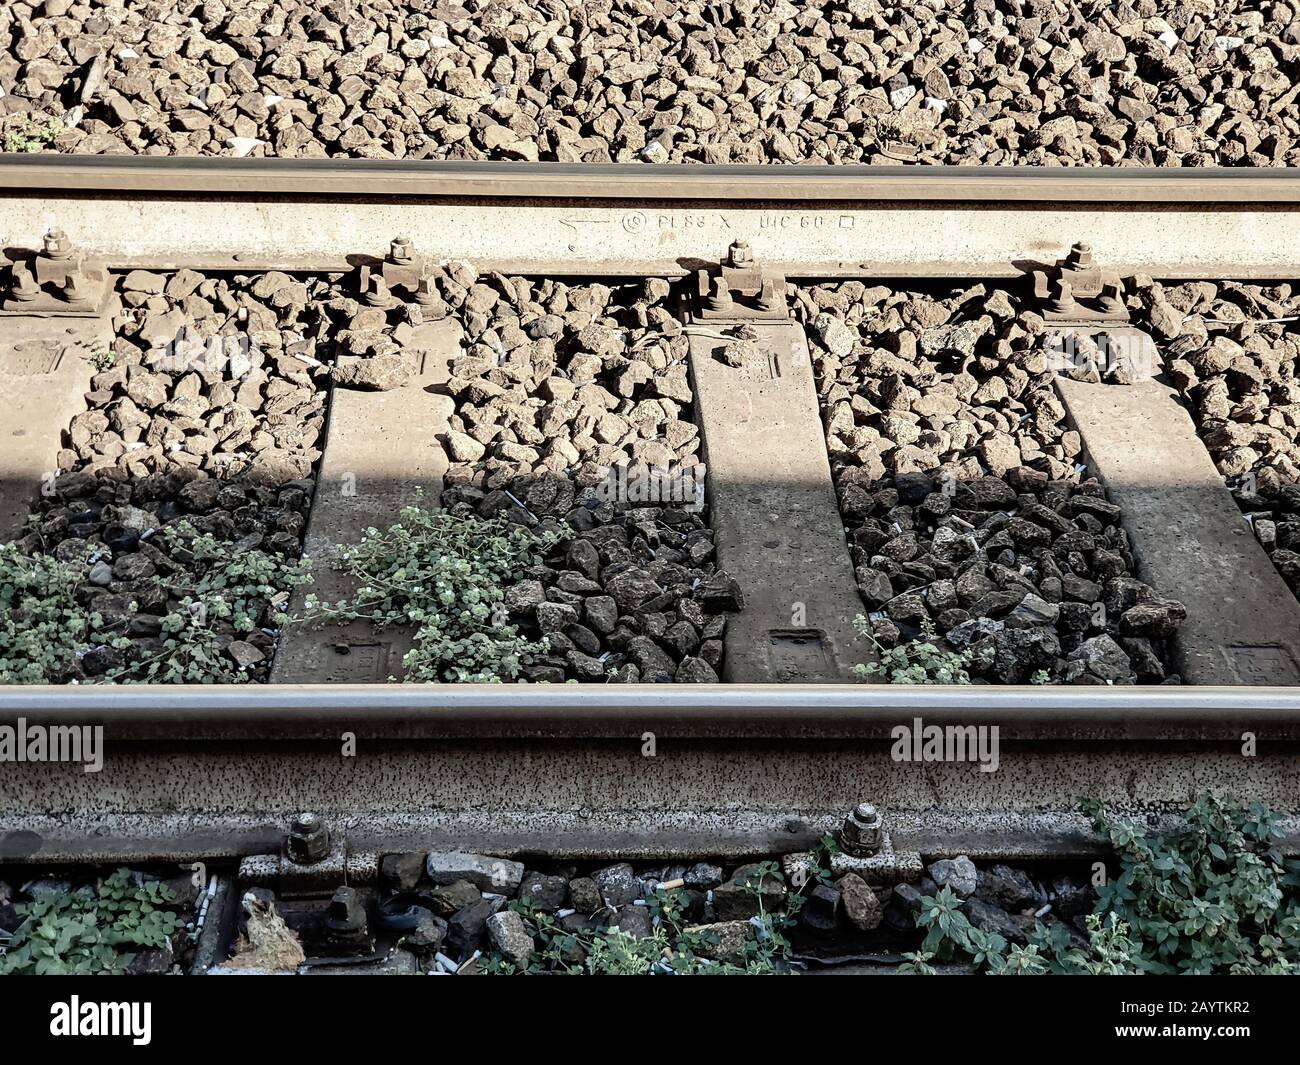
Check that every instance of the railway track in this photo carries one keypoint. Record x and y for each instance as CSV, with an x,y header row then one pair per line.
x,y
772,759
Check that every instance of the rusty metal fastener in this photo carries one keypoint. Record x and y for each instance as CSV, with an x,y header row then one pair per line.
x,y
772,297
57,245
74,288
1081,255
863,831
25,287
719,295
1063,302
740,254
426,292
401,250
309,839
377,292
1112,298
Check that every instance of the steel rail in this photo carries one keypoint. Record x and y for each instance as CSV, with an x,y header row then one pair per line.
x,y
701,705
614,182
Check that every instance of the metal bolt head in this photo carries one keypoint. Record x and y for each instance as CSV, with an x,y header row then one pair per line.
x,y
307,822
57,244
309,839
1081,254
770,298
426,290
1064,300
739,254
719,295
25,286
377,293
401,250
344,910
863,831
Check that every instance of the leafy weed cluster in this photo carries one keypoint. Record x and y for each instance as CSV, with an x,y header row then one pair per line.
x,y
916,662
29,136
90,931
447,576
1212,896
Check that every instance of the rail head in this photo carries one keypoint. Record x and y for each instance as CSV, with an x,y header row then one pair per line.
x,y
756,711
621,182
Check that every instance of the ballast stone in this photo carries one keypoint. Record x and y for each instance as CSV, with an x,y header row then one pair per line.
x,y
487,874
507,934
956,873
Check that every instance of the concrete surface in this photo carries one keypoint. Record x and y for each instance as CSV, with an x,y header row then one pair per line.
x,y
604,798
1190,540
44,376
381,450
891,238
772,506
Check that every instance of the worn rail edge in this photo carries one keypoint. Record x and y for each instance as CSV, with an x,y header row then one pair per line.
x,y
646,182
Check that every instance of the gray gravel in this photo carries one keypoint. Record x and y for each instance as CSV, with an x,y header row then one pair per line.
x,y
182,432
558,385
1237,365
1148,83
965,503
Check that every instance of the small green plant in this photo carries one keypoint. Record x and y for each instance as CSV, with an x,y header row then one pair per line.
x,y
45,630
223,594
447,576
29,136
1040,676
90,931
950,937
916,662
819,863
42,626
672,949
1212,895
100,357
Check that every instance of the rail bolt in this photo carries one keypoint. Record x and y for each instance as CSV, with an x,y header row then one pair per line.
x,y
346,913
426,292
770,298
25,287
57,245
74,289
377,293
863,831
74,286
309,839
1063,302
401,250
719,295
739,254
1081,255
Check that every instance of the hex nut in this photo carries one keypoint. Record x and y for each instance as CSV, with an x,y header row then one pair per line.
x,y
309,839
57,244
863,831
401,250
739,254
